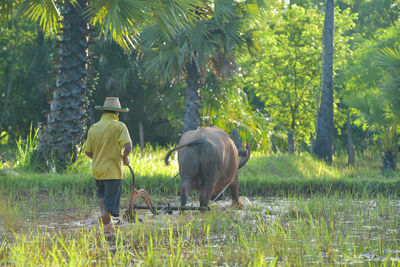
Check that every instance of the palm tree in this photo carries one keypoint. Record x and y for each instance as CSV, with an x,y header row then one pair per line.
x,y
379,108
209,43
372,110
119,20
389,60
66,119
324,141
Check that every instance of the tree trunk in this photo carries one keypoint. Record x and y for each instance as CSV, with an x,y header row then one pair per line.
x,y
193,105
290,142
7,97
324,141
350,145
65,129
141,136
367,143
389,161
318,100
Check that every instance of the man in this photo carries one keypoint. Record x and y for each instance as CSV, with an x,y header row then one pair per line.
x,y
108,145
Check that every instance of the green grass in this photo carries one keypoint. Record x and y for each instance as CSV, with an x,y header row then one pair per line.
x,y
299,231
324,215
284,174
264,175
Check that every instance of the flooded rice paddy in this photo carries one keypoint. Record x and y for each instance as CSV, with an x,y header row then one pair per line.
x,y
266,231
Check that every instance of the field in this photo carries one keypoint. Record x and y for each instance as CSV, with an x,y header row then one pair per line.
x,y
297,211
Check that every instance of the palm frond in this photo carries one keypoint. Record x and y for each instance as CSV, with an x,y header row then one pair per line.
x,y
119,20
167,60
173,15
198,34
233,34
45,12
151,35
371,109
224,10
389,60
215,37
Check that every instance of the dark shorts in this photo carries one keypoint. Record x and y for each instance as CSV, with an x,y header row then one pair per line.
x,y
110,190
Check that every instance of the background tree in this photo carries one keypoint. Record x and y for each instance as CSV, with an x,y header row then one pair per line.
x,y
283,79
324,140
209,43
155,106
286,74
24,70
226,105
363,79
239,101
379,108
64,133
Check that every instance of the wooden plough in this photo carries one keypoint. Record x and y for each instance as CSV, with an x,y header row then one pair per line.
x,y
130,213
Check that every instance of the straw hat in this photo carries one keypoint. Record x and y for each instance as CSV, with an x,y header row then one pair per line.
x,y
112,103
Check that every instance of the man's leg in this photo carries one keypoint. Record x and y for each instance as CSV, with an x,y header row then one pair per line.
x,y
105,216
112,197
101,205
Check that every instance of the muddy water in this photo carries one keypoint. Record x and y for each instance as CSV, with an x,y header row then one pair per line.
x,y
354,219
268,208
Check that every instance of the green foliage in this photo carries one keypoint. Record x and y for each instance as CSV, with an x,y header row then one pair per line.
x,y
259,98
26,148
372,16
210,42
116,20
157,106
375,97
25,77
264,175
389,60
226,105
285,76
45,12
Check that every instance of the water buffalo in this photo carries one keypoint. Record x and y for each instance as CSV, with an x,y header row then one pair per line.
x,y
209,162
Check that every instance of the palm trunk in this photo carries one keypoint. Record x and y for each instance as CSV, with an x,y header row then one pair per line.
x,y
193,105
65,127
324,141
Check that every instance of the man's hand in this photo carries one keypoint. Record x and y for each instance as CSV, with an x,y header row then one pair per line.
x,y
89,154
126,161
127,150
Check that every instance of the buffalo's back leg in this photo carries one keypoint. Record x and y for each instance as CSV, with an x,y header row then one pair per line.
x,y
184,194
234,188
209,178
205,195
211,162
189,168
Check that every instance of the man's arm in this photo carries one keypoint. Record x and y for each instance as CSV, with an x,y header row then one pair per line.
x,y
127,151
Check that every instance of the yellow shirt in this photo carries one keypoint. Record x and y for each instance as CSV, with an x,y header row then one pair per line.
x,y
105,141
